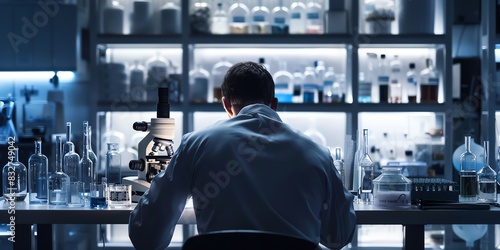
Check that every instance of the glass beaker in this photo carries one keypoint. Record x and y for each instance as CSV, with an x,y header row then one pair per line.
x,y
392,188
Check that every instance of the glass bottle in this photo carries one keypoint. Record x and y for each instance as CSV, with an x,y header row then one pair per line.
x,y
429,83
113,164
93,156
140,17
58,181
157,76
38,168
468,174
314,18
297,18
217,74
14,178
392,189
283,84
298,78
137,87
339,164
113,17
170,15
238,18
220,23
68,144
395,87
412,83
279,17
372,76
486,178
200,18
198,85
365,89
383,79
320,69
86,165
260,19
310,86
365,172
71,163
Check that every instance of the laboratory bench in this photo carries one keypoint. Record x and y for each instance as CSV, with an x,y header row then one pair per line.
x,y
413,219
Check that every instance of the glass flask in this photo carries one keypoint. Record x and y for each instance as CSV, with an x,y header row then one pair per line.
x,y
220,25
412,84
71,161
339,164
38,168
113,17
309,86
392,189
137,78
170,15
486,178
395,86
383,79
86,165
113,164
297,18
314,18
14,178
468,174
260,23
280,19
429,83
365,172
199,18
218,72
198,85
58,181
283,84
372,76
238,18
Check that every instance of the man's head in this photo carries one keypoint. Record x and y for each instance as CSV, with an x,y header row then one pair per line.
x,y
247,83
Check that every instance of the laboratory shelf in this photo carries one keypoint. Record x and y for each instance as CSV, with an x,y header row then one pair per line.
x,y
139,39
401,41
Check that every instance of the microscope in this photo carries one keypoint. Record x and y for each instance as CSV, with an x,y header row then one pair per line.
x,y
155,150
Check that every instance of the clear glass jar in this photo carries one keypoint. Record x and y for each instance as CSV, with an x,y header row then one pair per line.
x,y
14,178
170,14
392,189
218,72
200,18
198,84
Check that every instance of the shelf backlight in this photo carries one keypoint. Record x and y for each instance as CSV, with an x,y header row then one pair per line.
x,y
35,76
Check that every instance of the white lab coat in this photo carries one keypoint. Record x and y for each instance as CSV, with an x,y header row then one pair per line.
x,y
249,172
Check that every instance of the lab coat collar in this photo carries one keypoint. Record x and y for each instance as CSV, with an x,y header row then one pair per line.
x,y
260,109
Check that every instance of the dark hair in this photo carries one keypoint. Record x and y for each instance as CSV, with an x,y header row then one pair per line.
x,y
246,83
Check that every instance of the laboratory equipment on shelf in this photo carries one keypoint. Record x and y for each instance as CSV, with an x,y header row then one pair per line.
x,y
283,84
297,18
412,82
279,19
260,19
199,85
113,17
395,86
309,91
379,16
217,74
383,79
14,178
314,18
199,18
38,168
141,18
219,24
170,15
486,179
468,174
429,83
239,16
155,150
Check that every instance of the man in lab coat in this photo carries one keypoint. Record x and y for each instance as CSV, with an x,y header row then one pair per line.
x,y
249,172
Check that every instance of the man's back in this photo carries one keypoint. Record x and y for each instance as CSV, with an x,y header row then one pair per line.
x,y
254,172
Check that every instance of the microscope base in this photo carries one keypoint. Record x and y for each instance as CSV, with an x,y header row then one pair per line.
x,y
139,187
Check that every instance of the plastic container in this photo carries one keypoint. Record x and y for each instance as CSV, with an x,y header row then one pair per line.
x,y
392,189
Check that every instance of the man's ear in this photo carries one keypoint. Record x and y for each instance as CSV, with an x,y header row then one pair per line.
x,y
274,104
227,106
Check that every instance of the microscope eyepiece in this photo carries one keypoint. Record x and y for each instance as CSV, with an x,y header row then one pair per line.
x,y
140,126
163,105
136,165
